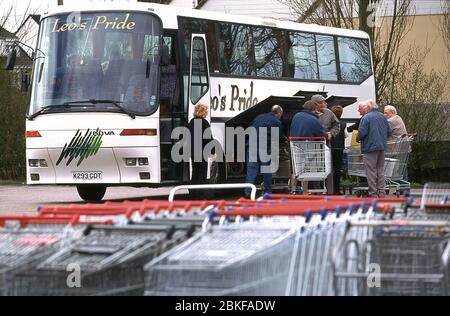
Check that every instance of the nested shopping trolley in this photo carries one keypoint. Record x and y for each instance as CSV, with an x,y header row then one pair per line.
x,y
110,258
26,241
434,204
311,160
398,257
395,166
279,248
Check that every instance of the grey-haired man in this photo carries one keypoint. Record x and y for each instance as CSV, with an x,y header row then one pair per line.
x,y
373,134
329,123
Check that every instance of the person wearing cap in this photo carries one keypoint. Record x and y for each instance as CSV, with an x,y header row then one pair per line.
x,y
327,118
330,123
306,124
373,134
263,123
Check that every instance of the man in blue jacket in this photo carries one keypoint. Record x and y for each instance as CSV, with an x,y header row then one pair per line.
x,y
373,134
263,123
306,124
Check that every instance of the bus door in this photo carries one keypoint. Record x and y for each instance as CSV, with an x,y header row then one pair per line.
x,y
171,110
199,91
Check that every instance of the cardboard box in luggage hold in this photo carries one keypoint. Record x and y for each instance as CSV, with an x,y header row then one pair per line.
x,y
284,169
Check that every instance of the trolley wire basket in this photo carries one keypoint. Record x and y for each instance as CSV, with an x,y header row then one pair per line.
x,y
25,241
407,257
395,165
109,260
284,252
311,159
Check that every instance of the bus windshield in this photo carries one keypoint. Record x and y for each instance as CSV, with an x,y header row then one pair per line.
x,y
97,56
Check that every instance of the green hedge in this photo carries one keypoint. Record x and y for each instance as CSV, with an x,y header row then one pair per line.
x,y
13,105
429,161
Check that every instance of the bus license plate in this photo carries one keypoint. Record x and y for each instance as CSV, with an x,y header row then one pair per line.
x,y
87,175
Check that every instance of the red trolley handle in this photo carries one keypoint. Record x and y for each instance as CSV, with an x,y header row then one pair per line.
x,y
307,138
63,220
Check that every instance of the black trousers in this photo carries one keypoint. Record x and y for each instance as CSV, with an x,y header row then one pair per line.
x,y
199,172
337,155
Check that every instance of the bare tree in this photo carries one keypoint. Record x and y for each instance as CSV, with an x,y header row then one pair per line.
x,y
386,34
421,97
445,26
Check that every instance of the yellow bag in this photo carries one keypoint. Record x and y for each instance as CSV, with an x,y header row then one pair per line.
x,y
354,142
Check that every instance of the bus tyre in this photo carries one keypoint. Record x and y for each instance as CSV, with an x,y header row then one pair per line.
x,y
91,192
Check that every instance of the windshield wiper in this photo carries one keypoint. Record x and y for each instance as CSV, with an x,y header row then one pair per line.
x,y
45,108
74,103
95,101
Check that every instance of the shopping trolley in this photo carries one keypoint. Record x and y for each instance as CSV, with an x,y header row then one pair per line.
x,y
311,160
434,203
111,258
395,166
25,241
279,248
399,257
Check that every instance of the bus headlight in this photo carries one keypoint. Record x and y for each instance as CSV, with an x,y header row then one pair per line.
x,y
130,162
133,162
33,163
43,163
143,161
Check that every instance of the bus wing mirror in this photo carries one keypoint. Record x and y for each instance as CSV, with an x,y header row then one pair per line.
x,y
11,59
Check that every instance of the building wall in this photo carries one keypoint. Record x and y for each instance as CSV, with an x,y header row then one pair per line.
x,y
425,34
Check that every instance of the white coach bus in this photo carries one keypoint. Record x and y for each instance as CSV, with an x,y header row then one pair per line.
x,y
111,82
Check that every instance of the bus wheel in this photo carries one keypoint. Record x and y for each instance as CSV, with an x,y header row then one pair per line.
x,y
91,192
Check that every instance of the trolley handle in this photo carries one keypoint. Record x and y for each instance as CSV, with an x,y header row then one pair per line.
x,y
41,220
307,138
74,212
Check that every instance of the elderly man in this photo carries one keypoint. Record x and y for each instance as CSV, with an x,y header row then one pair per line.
x,y
306,124
373,133
327,118
330,123
395,122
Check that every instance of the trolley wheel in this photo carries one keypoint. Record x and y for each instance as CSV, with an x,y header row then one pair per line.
x,y
398,193
91,192
358,193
